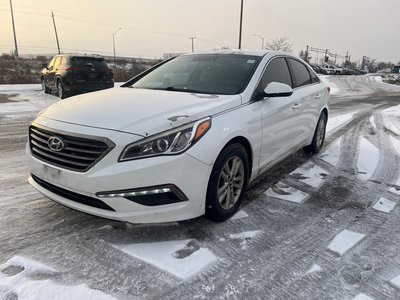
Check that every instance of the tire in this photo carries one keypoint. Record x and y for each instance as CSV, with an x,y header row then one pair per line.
x,y
45,89
233,160
319,135
60,90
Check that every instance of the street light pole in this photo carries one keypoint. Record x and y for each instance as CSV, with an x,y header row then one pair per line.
x,y
262,40
114,40
240,29
192,38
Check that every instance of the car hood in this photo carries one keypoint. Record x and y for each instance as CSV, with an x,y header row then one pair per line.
x,y
138,111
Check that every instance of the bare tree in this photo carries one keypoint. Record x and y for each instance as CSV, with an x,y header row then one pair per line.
x,y
279,44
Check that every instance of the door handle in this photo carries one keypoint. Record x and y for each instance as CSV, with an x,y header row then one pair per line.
x,y
317,96
296,106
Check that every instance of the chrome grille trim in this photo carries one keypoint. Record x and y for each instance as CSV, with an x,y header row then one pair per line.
x,y
81,152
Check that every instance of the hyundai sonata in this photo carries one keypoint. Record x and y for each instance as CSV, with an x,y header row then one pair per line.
x,y
183,139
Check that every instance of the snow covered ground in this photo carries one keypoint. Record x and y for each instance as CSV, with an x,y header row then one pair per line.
x,y
315,227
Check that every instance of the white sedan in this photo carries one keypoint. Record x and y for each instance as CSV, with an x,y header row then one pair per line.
x,y
183,139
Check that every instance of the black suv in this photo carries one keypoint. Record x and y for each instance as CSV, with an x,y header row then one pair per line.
x,y
69,74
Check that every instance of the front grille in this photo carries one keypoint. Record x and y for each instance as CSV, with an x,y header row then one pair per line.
x,y
79,153
86,200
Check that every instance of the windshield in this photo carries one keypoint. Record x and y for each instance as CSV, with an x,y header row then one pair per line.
x,y
225,74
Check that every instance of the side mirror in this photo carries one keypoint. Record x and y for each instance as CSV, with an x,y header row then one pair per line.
x,y
277,89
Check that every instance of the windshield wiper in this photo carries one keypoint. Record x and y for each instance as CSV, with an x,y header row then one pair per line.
x,y
175,89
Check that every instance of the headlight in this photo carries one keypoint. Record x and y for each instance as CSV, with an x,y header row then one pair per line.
x,y
169,142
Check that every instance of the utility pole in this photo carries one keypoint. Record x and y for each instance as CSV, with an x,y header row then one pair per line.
x,y
55,30
335,58
192,38
240,28
262,40
306,54
114,40
326,58
15,36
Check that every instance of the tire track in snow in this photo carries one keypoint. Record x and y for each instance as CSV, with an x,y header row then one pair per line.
x,y
387,170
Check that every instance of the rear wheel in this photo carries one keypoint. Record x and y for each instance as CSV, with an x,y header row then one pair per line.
x,y
228,183
319,135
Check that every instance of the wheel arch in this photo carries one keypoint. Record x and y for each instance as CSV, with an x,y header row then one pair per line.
x,y
246,145
325,111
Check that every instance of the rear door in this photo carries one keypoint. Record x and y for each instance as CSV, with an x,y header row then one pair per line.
x,y
308,94
50,73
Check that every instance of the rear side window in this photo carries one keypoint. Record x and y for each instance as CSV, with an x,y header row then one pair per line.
x,y
314,77
301,75
276,71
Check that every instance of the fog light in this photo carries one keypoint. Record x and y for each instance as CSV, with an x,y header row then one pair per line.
x,y
133,193
149,196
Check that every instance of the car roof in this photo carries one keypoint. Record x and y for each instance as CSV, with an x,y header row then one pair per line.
x,y
260,53
232,51
79,55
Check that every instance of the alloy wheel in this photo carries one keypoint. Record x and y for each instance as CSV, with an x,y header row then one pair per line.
x,y
231,181
321,133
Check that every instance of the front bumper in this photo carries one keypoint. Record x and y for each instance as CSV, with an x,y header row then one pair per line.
x,y
183,171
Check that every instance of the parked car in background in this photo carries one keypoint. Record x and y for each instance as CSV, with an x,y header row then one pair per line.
x,y
70,74
396,69
346,71
318,69
179,140
333,70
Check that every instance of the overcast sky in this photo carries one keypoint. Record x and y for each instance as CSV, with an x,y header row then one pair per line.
x,y
153,27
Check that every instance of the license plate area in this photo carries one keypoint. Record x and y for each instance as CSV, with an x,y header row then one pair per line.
x,y
52,173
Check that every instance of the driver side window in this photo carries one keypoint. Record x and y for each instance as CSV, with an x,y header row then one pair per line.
x,y
276,71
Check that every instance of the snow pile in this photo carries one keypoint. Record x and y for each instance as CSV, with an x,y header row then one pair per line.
x,y
392,119
244,237
314,268
396,190
368,158
336,122
22,286
310,174
396,282
182,258
362,296
334,88
344,241
239,215
384,205
284,192
332,154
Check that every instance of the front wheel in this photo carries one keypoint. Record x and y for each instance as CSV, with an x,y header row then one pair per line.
x,y
228,183
45,89
319,135
60,90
